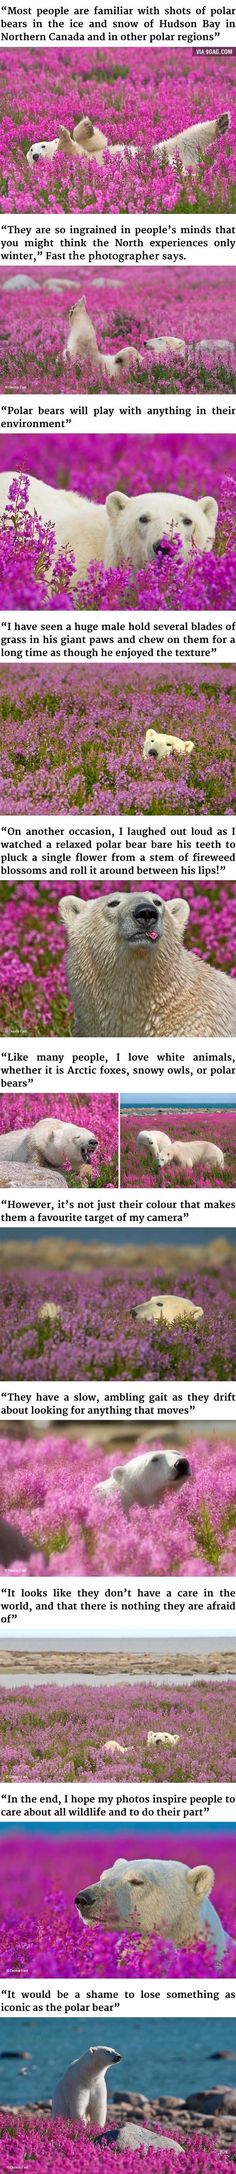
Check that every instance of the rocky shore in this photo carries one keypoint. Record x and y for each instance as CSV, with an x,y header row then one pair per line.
x,y
15,1659
211,2112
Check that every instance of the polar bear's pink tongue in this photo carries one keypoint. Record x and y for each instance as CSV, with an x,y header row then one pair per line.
x,y
152,935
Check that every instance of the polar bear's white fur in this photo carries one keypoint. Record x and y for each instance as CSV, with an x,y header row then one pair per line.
x,y
144,1479
81,2094
161,1736
49,1315
81,341
186,147
186,1152
112,1745
49,1141
159,1143
190,1152
164,1310
165,346
125,531
164,1897
89,142
125,358
162,744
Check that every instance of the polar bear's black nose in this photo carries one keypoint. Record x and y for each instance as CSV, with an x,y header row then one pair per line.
x,y
183,1469
163,547
85,1897
148,916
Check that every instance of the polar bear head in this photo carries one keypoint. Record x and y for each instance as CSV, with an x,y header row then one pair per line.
x,y
165,1898
58,1142
140,530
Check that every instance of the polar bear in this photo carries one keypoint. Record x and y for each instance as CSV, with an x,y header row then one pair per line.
x,y
161,1736
163,744
185,148
165,1311
81,2094
168,1898
50,1141
81,343
126,531
144,1479
188,1153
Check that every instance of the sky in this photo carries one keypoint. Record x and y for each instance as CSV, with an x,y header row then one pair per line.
x,y
119,1645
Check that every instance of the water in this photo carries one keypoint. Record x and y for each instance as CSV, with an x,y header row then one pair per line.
x,y
160,1682
171,2055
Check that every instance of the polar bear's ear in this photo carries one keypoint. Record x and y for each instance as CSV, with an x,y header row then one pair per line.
x,y
211,510
68,910
180,911
202,1880
115,504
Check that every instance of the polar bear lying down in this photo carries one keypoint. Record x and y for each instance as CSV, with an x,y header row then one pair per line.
x,y
124,531
89,142
167,1898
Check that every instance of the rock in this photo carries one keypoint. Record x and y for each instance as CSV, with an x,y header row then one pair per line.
x,y
133,2137
19,279
220,2100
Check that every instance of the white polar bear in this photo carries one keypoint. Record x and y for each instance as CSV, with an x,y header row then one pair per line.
x,y
161,1736
163,744
81,2094
81,342
164,1310
49,1316
49,1141
111,1746
123,532
144,1479
190,1152
166,1898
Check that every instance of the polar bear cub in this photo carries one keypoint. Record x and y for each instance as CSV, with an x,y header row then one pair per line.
x,y
81,2094
124,531
167,1897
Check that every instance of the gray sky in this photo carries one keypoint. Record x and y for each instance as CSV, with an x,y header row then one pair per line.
x,y
117,1645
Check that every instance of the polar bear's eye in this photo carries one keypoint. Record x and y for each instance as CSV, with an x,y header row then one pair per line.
x,y
186,519
136,1883
113,901
144,518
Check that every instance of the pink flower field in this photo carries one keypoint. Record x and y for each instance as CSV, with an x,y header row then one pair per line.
x,y
98,1112
137,1161
38,2144
33,972
94,1336
30,577
48,1486
135,96
72,745
57,1733
43,1869
128,305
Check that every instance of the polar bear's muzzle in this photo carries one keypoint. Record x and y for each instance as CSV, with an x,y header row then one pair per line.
x,y
86,1903
162,547
147,921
